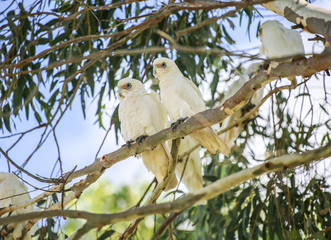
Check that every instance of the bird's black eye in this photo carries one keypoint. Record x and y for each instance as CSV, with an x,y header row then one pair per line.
x,y
128,85
163,65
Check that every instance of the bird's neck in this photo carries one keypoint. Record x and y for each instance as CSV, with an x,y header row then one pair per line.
x,y
170,78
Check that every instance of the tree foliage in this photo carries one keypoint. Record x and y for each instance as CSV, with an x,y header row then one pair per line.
x,y
55,51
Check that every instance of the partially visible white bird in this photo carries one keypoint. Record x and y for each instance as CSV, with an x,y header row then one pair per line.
x,y
231,135
182,98
14,192
189,167
280,42
141,113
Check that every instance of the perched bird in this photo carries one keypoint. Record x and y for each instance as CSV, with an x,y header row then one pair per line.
x,y
14,192
188,167
141,113
182,99
231,135
280,42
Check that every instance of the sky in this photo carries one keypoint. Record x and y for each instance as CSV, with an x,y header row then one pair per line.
x,y
80,138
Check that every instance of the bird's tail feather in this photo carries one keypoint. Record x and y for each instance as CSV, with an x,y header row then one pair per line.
x,y
211,141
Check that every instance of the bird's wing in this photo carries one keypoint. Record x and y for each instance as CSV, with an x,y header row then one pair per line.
x,y
162,113
211,141
196,89
272,45
192,96
293,42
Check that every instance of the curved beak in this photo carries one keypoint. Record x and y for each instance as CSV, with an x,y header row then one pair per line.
x,y
120,93
259,32
155,69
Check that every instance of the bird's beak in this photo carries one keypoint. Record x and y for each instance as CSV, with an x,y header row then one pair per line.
x,y
259,32
120,93
155,67
154,71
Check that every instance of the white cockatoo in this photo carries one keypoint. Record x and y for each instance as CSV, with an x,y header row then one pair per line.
x,y
182,98
188,167
14,192
280,42
141,113
230,135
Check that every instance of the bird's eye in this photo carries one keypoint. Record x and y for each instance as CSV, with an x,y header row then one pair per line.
x,y
128,85
163,65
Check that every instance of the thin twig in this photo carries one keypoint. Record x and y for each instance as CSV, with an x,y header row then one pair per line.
x,y
165,223
45,180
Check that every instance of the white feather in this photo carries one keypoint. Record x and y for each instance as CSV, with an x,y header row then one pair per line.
x,y
280,42
14,192
190,172
181,98
142,113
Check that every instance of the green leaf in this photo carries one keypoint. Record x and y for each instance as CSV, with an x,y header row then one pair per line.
x,y
38,118
227,36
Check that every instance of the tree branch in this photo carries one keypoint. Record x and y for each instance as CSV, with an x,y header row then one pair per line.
x,y
304,67
206,193
158,190
312,18
165,223
12,208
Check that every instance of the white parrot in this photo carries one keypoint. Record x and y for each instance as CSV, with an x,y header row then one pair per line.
x,y
14,192
141,113
230,135
280,42
182,98
189,167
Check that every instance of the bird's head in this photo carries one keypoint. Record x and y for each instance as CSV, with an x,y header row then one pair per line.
x,y
162,66
127,85
269,25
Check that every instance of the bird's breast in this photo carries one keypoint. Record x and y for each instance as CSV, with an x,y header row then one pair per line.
x,y
171,100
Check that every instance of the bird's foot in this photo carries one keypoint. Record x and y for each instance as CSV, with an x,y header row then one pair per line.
x,y
140,139
174,125
128,143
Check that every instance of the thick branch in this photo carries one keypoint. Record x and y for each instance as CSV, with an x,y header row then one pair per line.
x,y
206,193
304,67
313,18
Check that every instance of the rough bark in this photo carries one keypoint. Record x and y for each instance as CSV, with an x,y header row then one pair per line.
x,y
312,18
